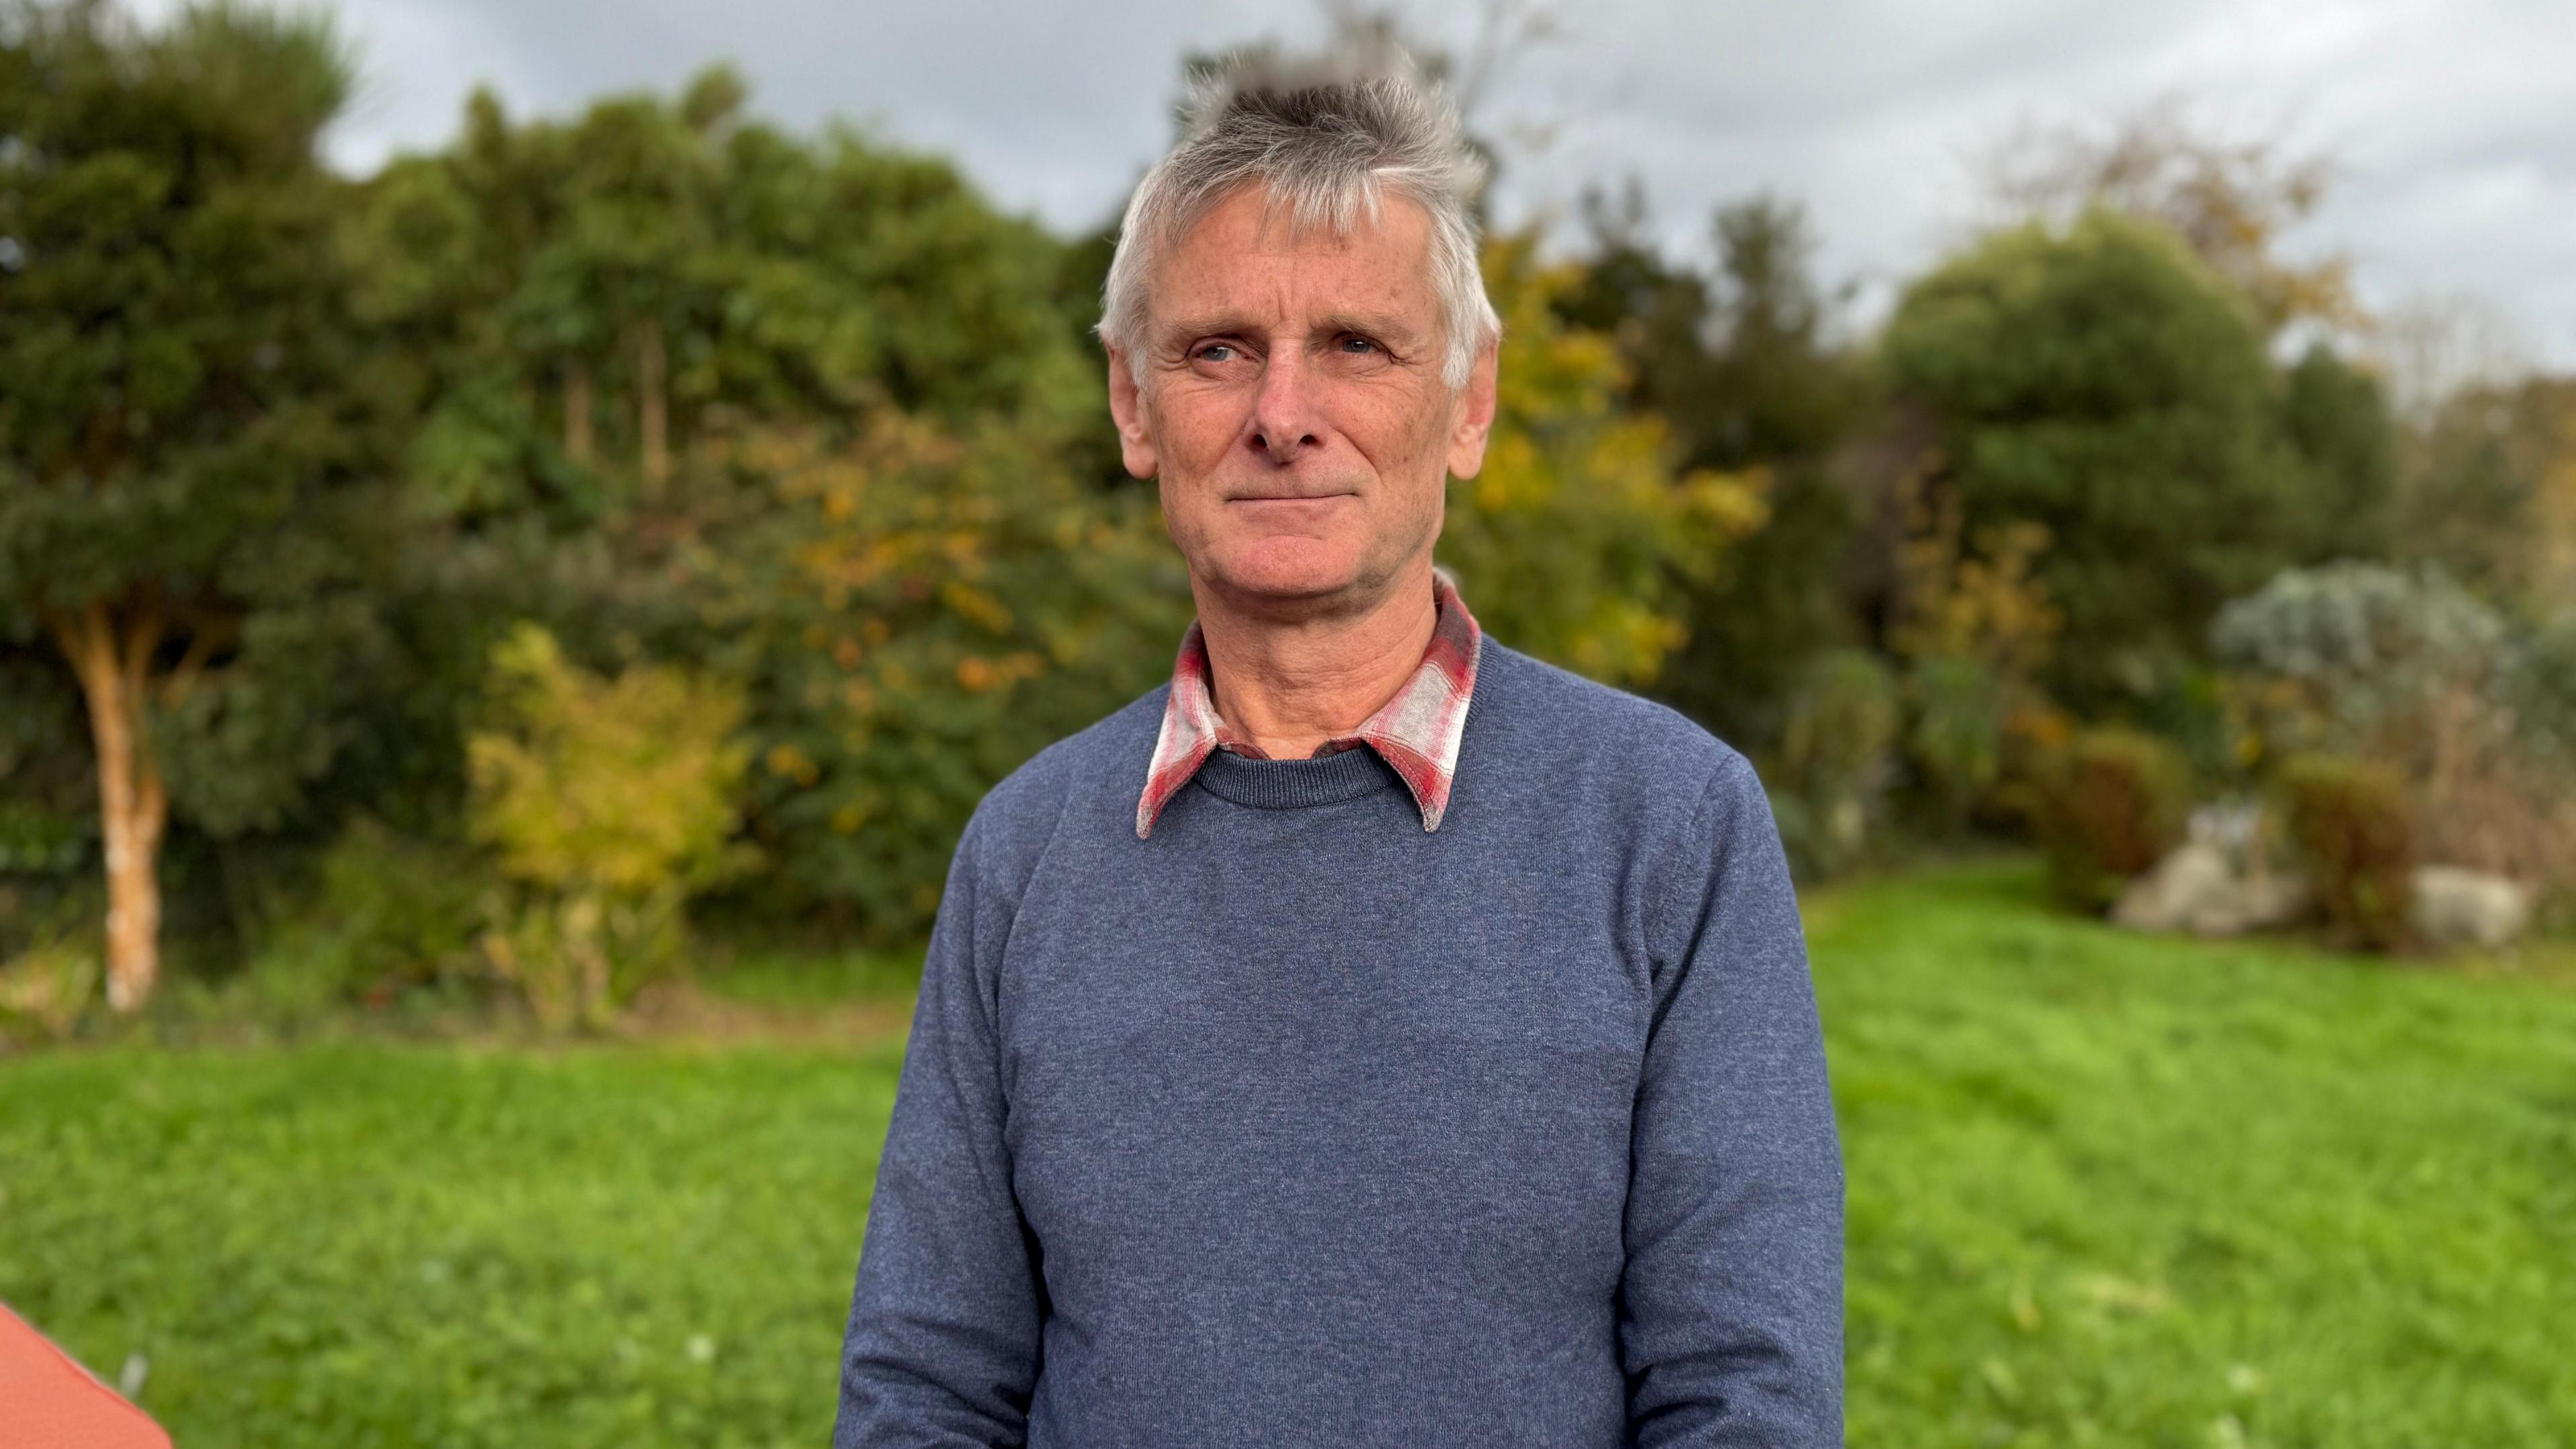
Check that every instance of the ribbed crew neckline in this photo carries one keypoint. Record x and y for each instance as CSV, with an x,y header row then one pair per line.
x,y
1295,784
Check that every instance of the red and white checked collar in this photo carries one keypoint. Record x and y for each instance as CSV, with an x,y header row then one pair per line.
x,y
1417,731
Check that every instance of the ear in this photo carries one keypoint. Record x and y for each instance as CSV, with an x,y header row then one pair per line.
x,y
1127,409
1475,415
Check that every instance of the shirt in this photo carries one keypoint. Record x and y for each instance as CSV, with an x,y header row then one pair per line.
x,y
1416,732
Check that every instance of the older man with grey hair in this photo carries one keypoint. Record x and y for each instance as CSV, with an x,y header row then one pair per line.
x,y
1375,1036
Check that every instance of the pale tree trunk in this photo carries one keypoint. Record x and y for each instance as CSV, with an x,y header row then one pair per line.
x,y
111,659
577,412
653,406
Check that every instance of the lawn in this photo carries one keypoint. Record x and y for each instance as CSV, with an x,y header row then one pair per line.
x,y
2104,1189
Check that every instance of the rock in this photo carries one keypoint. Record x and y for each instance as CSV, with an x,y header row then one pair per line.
x,y
2174,890
2274,899
2455,906
2197,888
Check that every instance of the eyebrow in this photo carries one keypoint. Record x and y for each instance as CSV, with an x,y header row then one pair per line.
x,y
1232,324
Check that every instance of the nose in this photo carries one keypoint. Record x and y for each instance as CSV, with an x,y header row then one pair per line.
x,y
1286,422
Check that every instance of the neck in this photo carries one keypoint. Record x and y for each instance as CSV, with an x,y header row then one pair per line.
x,y
1289,682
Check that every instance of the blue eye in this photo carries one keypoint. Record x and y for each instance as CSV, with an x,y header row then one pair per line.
x,y
1349,343
1209,352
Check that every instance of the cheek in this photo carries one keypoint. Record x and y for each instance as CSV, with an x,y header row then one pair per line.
x,y
1193,426
1407,440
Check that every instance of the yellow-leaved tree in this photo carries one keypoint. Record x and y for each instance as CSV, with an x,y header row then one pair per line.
x,y
1573,540
608,802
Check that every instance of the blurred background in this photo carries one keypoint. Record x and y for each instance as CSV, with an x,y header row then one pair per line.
x,y
526,529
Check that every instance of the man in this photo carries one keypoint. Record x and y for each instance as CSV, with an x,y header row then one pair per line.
x,y
1374,1036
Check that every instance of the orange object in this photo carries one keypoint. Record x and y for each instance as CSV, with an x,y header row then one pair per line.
x,y
48,1401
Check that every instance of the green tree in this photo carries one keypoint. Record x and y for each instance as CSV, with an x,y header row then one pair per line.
x,y
918,608
1741,366
191,510
587,293
2099,380
2337,419
1739,363
811,309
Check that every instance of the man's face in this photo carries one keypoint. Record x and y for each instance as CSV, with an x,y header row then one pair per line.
x,y
1293,405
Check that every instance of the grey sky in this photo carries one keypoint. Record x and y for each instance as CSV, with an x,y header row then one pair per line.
x,y
2453,119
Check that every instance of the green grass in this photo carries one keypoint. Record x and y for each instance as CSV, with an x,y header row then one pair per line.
x,y
2104,1189
2110,1189
785,980
356,1245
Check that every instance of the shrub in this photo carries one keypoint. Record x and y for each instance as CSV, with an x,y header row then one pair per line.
x,y
2543,692
1956,739
2328,655
2031,742
1837,755
2467,710
2543,689
2348,818
387,914
2482,793
610,802
45,989
37,841
2112,803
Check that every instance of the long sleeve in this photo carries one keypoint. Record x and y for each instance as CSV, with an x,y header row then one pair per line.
x,y
943,1341
1731,1298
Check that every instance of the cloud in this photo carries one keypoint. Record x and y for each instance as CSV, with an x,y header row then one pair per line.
x,y
2459,171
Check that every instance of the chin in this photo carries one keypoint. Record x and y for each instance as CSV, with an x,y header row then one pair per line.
x,y
1286,567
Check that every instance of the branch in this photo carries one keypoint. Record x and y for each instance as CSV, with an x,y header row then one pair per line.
x,y
204,638
143,635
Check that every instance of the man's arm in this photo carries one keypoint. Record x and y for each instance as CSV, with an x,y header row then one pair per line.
x,y
1731,1301
943,1338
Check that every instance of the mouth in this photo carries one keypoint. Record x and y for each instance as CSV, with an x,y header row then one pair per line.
x,y
1291,498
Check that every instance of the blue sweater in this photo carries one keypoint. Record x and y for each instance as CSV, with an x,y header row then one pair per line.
x,y
1296,1124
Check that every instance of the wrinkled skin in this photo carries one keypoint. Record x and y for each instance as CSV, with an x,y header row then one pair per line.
x,y
1294,412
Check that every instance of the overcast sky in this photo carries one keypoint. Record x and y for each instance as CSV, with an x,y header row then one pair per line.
x,y
2454,120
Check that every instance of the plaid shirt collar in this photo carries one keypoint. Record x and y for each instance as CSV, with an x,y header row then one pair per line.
x,y
1417,732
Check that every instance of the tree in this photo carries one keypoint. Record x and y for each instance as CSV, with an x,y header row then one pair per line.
x,y
2435,347
585,294
2487,489
190,507
1740,364
609,803
1580,525
1737,362
918,608
828,309
2099,380
2337,420
2231,200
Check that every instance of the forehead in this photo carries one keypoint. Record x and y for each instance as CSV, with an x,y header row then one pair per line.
x,y
1248,255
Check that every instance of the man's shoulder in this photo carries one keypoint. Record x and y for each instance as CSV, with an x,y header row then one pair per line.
x,y
1096,759
1554,713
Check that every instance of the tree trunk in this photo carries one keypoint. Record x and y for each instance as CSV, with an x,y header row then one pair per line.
x,y
134,804
653,405
577,413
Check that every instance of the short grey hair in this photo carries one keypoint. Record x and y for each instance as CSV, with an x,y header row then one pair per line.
x,y
1327,139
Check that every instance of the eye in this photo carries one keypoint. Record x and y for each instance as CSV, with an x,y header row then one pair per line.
x,y
1357,345
1216,352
